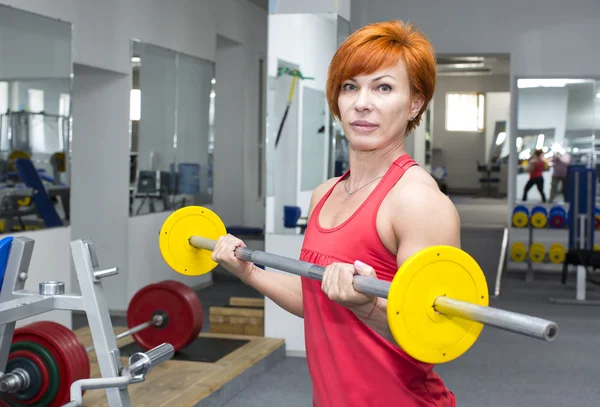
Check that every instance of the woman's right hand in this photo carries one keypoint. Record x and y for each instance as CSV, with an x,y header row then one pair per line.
x,y
223,254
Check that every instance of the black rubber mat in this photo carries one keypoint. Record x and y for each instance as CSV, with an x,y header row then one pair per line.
x,y
208,350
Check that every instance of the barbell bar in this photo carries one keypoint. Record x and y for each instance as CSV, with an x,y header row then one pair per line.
x,y
156,321
437,301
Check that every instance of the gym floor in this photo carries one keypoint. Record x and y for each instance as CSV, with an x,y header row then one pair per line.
x,y
501,369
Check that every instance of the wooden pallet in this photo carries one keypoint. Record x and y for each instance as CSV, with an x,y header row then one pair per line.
x,y
192,384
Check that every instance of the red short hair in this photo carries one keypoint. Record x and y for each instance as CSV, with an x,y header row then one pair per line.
x,y
379,46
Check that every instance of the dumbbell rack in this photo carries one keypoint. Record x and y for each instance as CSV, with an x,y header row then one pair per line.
x,y
17,303
545,234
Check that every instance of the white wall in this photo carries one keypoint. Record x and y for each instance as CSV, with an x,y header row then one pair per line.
x,y
100,168
33,47
458,152
278,322
311,50
241,44
101,49
543,108
341,7
583,109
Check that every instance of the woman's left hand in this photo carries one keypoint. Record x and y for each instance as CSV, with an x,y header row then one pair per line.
x,y
337,283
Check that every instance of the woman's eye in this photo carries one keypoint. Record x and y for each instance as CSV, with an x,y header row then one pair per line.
x,y
349,87
385,88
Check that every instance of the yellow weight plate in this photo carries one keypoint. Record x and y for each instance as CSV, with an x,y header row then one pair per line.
x,y
520,219
537,252
59,160
518,252
418,329
18,154
596,247
557,255
539,220
554,246
14,155
174,239
25,201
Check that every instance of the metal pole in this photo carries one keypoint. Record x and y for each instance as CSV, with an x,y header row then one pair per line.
x,y
581,270
501,262
134,330
510,321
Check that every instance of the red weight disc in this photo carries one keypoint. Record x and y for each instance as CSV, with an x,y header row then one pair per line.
x,y
80,363
43,372
52,337
178,302
557,222
194,301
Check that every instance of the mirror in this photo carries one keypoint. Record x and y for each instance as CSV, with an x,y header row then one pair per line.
x,y
171,132
35,121
304,145
558,116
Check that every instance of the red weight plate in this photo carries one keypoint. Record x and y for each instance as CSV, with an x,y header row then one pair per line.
x,y
178,302
79,364
83,362
43,372
45,333
193,300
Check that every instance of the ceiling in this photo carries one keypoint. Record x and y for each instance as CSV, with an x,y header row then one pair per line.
x,y
473,65
264,4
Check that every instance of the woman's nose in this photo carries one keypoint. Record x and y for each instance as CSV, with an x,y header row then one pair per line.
x,y
363,101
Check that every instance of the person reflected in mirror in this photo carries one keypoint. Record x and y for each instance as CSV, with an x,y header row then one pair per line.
x,y
536,169
559,165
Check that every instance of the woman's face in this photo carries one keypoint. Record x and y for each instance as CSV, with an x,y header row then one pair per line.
x,y
376,108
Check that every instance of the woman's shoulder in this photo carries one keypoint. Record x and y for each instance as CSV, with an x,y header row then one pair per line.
x,y
417,189
320,191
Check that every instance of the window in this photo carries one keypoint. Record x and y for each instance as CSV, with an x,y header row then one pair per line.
x,y
64,107
135,105
3,119
465,112
36,121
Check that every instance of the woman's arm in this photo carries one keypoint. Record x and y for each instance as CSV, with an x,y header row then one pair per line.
x,y
427,218
285,289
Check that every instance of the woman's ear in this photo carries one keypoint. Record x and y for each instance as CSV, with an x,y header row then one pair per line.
x,y
416,106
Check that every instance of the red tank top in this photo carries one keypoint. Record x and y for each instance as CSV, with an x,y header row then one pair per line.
x,y
350,364
538,170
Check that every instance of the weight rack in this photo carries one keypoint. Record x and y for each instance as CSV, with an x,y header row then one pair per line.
x,y
17,303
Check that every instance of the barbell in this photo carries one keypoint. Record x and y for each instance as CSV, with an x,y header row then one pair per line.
x,y
46,358
437,301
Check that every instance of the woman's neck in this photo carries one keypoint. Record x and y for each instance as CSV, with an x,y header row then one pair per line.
x,y
366,166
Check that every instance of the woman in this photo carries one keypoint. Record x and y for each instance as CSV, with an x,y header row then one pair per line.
x,y
368,221
537,166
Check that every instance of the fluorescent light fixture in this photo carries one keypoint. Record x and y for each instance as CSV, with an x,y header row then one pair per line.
x,y
540,141
136,60
501,138
598,95
519,143
548,83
